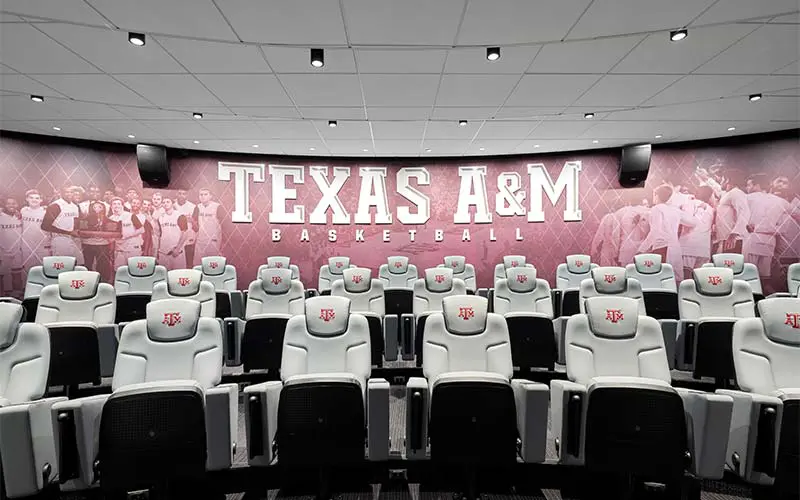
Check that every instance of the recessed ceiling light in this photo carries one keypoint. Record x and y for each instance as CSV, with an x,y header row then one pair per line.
x,y
731,129
332,123
57,129
312,149
493,53
462,123
535,146
317,58
678,35
136,39
195,142
658,136
197,116
365,150
755,97
131,136
595,141
427,150
37,98
255,145
481,149
588,116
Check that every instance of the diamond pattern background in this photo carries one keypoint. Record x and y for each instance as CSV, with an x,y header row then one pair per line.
x,y
27,163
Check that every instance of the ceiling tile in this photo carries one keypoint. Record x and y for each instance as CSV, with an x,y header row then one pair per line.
x,y
266,111
81,131
451,130
239,129
295,22
275,129
22,126
410,22
445,147
264,147
770,84
25,85
150,113
333,113
215,57
700,87
323,89
209,112
594,56
624,130
179,129
398,147
499,22
204,145
513,60
76,11
767,49
790,69
345,130
578,112
85,110
28,50
625,90
244,90
400,61
399,113
298,60
527,112
399,90
465,90
305,148
491,147
614,17
17,107
492,130
171,90
95,88
160,17
560,129
455,113
735,10
351,148
550,90
537,146
397,130
118,130
789,18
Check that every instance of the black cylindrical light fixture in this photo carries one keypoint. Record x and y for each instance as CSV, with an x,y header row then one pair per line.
x,y
317,58
678,35
137,39
332,123
493,53
755,97
37,98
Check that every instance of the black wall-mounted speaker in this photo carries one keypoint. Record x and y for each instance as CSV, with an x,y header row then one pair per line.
x,y
634,165
153,165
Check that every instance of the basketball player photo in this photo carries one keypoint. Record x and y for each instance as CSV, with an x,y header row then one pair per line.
x,y
60,220
10,247
36,243
210,215
172,229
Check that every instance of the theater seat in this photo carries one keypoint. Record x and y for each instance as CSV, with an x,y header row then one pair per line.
x,y
398,278
280,262
741,270
331,272
764,441
167,420
222,275
461,270
509,262
257,341
466,405
366,298
79,311
619,380
569,276
398,273
325,404
27,446
709,304
792,282
188,284
134,287
658,285
41,276
429,292
527,306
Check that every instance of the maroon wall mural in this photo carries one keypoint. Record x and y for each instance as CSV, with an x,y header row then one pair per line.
x,y
369,209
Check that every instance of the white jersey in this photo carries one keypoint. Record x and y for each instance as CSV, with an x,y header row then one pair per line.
x,y
210,228
696,241
767,212
131,235
680,200
10,234
187,209
67,216
171,229
733,214
665,220
32,234
634,227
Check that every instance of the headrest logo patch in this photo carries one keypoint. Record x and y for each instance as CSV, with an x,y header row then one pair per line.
x,y
327,314
522,278
466,313
614,315
514,263
213,264
439,278
793,319
77,284
398,264
648,263
728,262
276,280
141,264
171,318
357,278
454,264
715,280
183,281
610,278
278,265
339,264
578,263
58,265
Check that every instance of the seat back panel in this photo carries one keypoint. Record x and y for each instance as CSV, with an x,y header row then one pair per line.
x,y
24,356
78,296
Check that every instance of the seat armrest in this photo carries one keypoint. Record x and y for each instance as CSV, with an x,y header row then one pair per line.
x,y
261,420
237,304
669,330
27,442
408,326
391,333
417,404
746,435
76,425
378,419
684,344
107,341
568,403
531,400
560,330
222,425
232,331
708,422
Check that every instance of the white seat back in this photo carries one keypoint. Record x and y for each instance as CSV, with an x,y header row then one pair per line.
x,y
24,356
47,274
522,292
188,284
275,292
610,280
713,292
651,273
327,339
78,296
365,293
332,271
741,270
437,284
611,339
766,350
139,276
571,273
174,342
509,262
219,273
465,337
793,279
398,273
280,262
461,270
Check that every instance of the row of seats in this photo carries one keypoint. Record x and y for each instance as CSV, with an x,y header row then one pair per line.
x,y
168,416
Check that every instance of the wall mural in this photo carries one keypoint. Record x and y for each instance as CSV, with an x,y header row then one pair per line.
x,y
61,199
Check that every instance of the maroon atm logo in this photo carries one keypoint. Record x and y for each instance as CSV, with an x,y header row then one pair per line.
x,y
327,314
77,284
728,263
58,266
578,263
522,278
339,264
141,265
279,265
357,278
614,315
610,278
276,280
466,313
213,264
454,264
715,280
398,264
793,320
171,318
648,263
183,281
514,263
439,278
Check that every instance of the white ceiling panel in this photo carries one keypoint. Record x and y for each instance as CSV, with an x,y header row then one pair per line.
x,y
537,146
118,130
294,22
491,147
400,61
179,129
614,17
789,18
85,110
204,145
239,129
513,60
625,90
24,126
333,113
28,50
264,147
700,87
528,112
297,60
451,130
767,49
397,130
474,113
79,129
734,10
344,130
150,113
550,90
789,69
594,56
399,112
171,90
274,129
410,22
245,90
285,112
93,88
351,148
770,84
506,130
17,107
578,112
76,11
323,89
518,21
193,18
215,57
25,85
561,129
399,90
398,148
463,90
304,147
445,147
624,130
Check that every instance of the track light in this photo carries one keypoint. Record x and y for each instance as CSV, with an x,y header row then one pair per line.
x,y
588,116
317,58
462,123
332,123
137,39
493,53
37,98
197,116
678,35
755,97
